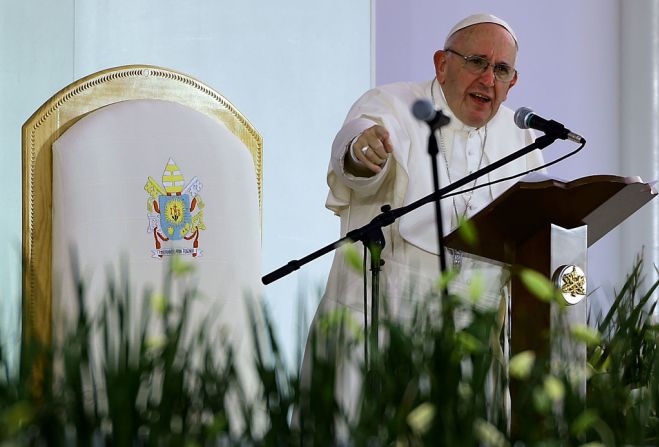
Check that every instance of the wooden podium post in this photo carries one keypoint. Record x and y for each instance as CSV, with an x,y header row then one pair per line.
x,y
544,225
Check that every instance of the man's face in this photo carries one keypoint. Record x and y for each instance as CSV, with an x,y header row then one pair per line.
x,y
475,98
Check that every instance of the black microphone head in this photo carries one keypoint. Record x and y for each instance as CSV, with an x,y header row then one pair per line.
x,y
522,117
423,110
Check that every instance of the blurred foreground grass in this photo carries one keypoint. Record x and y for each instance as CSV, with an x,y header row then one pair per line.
x,y
115,380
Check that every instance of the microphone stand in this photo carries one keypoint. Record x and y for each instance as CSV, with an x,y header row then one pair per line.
x,y
371,233
374,242
439,121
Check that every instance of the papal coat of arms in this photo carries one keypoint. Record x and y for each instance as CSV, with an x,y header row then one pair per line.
x,y
175,212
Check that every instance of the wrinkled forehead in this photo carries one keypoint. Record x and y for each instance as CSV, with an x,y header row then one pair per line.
x,y
478,19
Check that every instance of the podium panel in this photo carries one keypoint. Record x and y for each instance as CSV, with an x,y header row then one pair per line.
x,y
544,226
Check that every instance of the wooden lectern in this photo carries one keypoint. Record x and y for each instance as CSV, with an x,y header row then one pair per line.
x,y
544,225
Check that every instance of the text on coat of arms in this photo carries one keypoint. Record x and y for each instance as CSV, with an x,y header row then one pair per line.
x,y
175,212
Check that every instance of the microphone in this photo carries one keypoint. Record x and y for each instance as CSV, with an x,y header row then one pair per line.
x,y
526,118
423,110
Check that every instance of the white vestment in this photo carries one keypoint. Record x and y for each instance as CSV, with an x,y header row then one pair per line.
x,y
411,244
410,253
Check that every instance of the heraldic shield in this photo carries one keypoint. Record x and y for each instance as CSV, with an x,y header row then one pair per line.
x,y
175,211
175,218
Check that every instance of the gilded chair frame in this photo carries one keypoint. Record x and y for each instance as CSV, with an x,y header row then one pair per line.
x,y
59,113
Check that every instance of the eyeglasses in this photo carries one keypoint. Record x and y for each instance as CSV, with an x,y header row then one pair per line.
x,y
478,65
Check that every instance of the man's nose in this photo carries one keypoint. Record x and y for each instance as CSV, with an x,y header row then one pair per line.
x,y
487,77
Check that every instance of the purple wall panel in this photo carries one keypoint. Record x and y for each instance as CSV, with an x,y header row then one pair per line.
x,y
568,64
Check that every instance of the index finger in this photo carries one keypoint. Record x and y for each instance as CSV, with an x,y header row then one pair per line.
x,y
383,136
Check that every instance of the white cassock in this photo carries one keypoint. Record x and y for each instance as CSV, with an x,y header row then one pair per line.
x,y
411,244
410,253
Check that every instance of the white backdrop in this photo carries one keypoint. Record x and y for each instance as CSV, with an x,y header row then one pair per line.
x,y
294,68
291,67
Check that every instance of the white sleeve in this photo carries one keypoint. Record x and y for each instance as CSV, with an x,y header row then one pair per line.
x,y
351,130
374,107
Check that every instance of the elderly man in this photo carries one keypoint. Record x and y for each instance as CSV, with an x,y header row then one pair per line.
x,y
380,157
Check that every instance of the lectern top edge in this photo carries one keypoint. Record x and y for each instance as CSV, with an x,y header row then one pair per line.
x,y
600,201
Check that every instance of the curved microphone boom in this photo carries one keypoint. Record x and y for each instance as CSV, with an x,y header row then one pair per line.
x,y
526,118
423,110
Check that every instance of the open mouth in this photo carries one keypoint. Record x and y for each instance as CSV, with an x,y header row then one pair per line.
x,y
480,98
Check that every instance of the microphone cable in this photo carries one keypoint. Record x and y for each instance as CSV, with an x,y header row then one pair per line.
x,y
494,182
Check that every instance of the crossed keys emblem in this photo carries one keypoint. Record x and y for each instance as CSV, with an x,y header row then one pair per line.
x,y
574,283
571,281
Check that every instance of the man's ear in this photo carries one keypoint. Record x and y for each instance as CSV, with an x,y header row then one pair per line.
x,y
513,81
440,65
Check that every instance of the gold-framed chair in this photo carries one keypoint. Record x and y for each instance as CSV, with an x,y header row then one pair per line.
x,y
56,116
